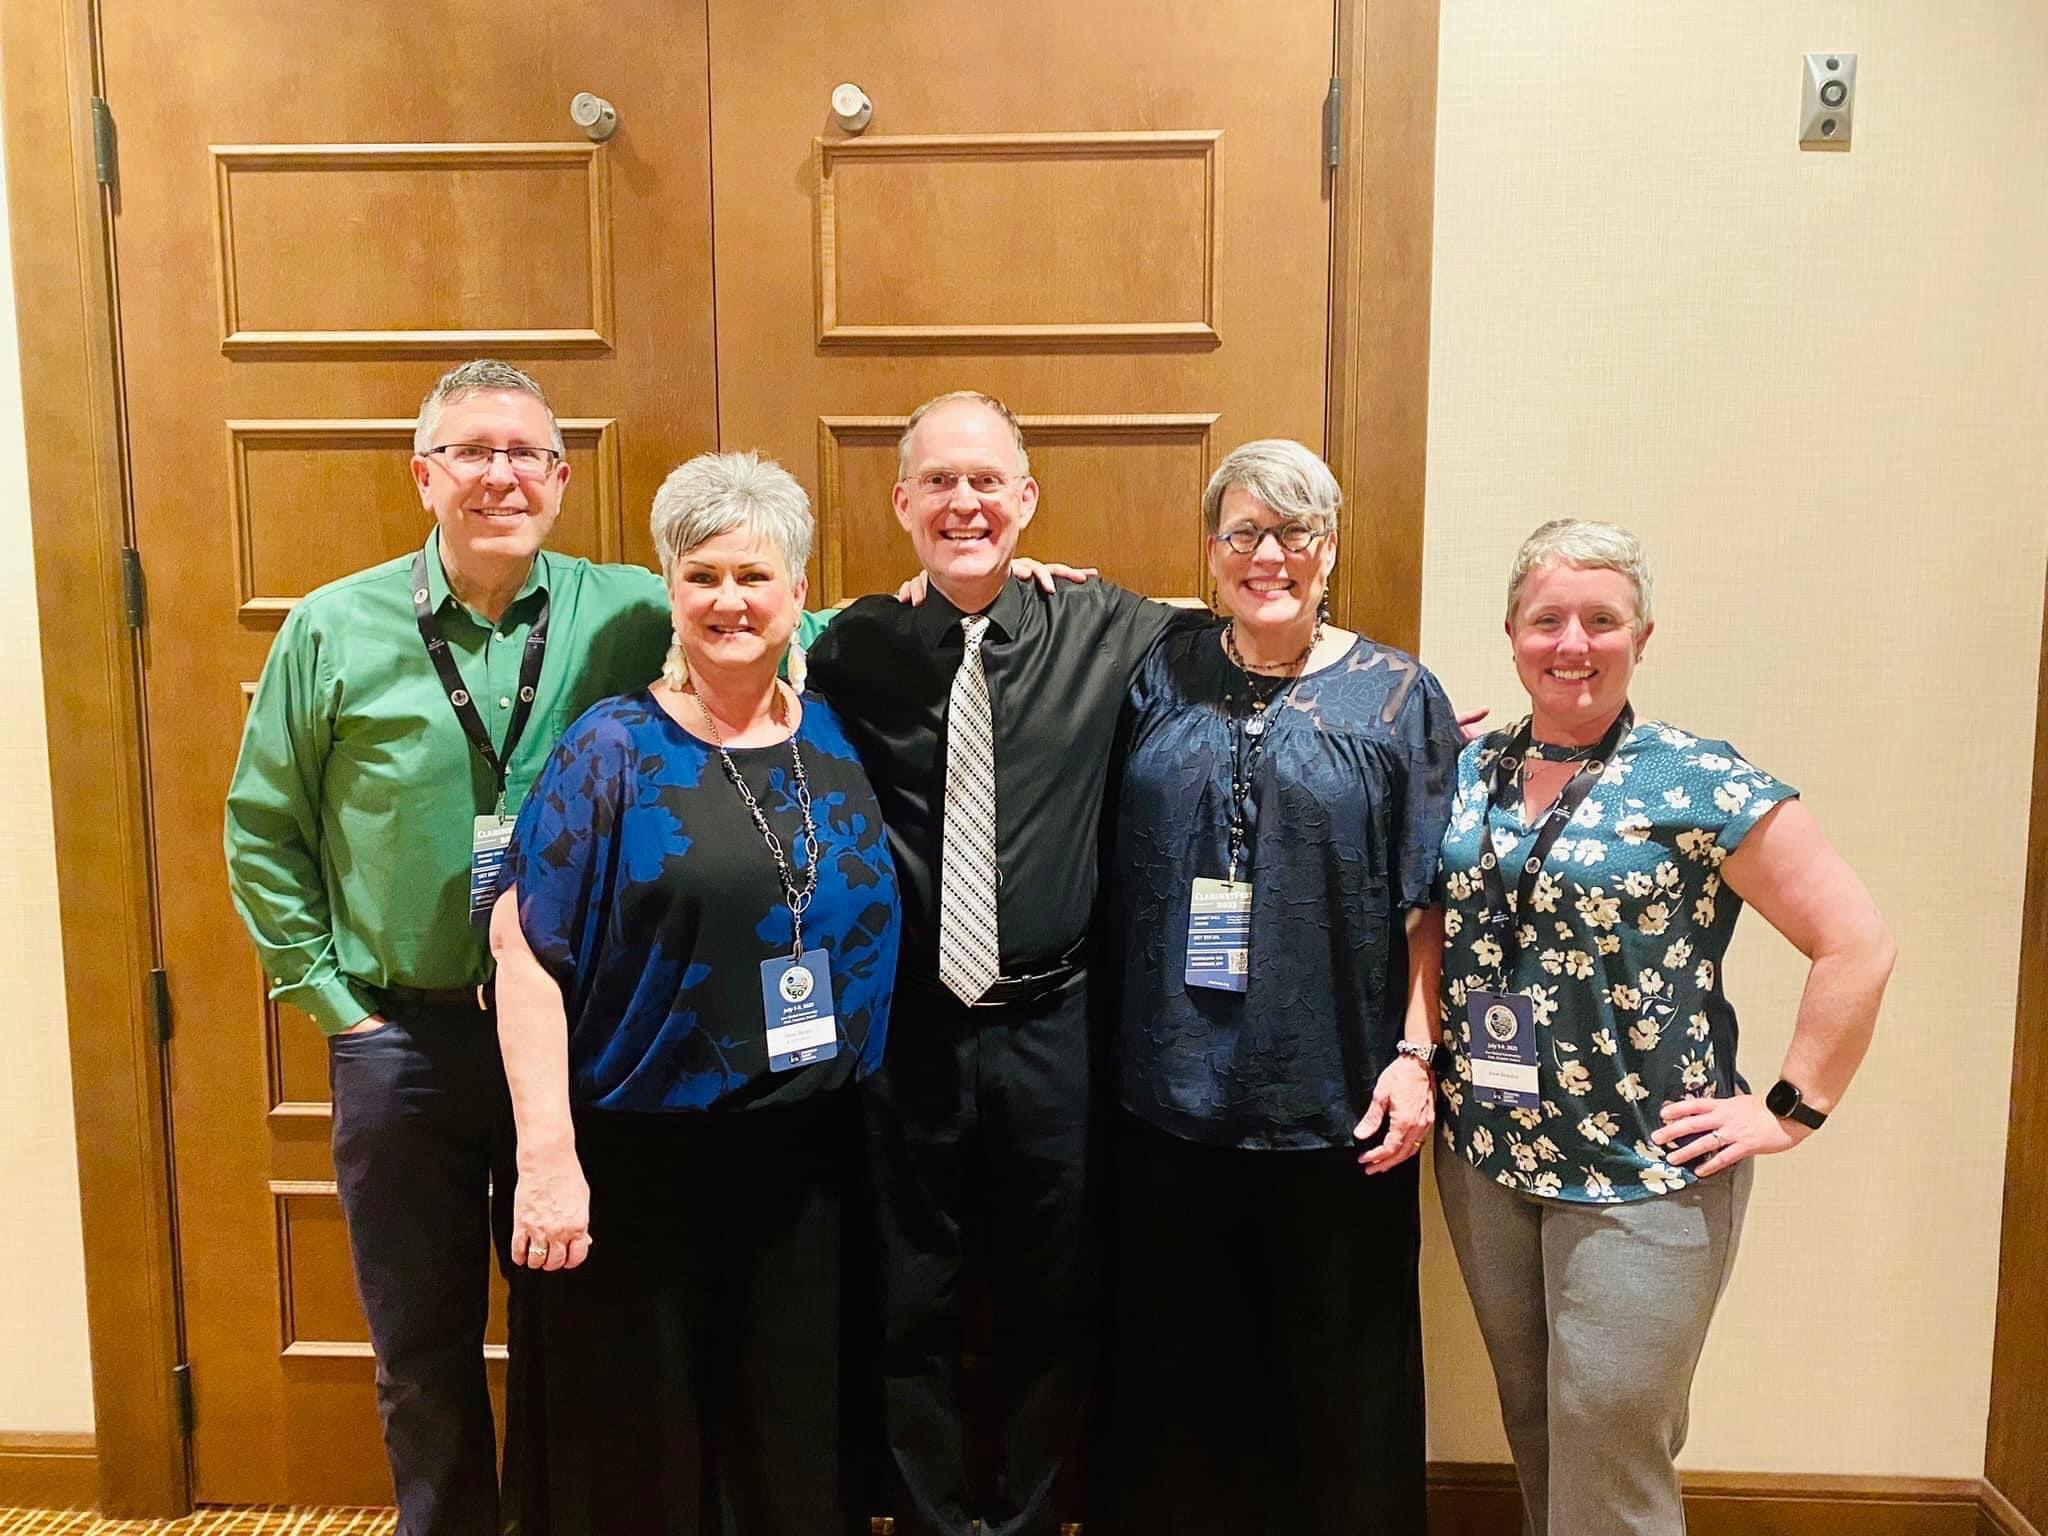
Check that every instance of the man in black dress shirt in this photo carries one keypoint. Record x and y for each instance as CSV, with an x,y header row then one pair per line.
x,y
979,1120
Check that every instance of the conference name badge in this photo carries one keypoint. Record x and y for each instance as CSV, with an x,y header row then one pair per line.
x,y
1503,1050
796,996
488,840
1219,935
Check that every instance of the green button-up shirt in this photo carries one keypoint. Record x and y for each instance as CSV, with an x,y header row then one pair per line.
x,y
350,815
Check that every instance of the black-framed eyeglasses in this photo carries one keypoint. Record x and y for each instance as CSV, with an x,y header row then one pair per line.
x,y
1294,537
472,458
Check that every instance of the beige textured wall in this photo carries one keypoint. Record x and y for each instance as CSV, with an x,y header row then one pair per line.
x,y
1815,384
45,1374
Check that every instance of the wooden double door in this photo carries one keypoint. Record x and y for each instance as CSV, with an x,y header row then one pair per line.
x,y
1117,217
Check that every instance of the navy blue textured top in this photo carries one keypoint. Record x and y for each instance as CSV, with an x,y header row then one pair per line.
x,y
1349,797
648,894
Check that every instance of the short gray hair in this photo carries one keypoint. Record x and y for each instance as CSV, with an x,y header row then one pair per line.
x,y
1586,546
1281,474
482,376
715,493
954,397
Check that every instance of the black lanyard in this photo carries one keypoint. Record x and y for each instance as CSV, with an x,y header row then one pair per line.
x,y
1247,741
1502,921
458,696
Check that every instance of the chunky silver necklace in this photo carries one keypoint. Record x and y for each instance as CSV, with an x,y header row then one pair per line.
x,y
798,896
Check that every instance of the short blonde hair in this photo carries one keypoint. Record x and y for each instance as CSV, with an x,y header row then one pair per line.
x,y
1586,546
955,397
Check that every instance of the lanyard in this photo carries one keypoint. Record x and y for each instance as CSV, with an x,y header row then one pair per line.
x,y
797,897
1502,921
458,696
1247,741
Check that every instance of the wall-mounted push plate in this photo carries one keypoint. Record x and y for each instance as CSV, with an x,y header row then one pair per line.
x,y
1827,101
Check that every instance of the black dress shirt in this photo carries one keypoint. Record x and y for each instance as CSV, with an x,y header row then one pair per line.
x,y
1058,667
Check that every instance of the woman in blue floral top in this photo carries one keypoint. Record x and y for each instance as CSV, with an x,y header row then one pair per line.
x,y
1597,1136
696,954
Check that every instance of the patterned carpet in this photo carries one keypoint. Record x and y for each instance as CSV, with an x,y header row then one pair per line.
x,y
202,1522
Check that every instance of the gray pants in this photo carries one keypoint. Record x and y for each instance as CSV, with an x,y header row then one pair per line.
x,y
1594,1316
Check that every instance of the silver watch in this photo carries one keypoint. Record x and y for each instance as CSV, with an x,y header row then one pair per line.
x,y
1422,1053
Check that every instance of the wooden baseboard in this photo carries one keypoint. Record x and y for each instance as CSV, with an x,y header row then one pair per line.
x,y
49,1471
1480,1499
2002,1517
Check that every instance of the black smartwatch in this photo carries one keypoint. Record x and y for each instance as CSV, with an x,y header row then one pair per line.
x,y
1788,1103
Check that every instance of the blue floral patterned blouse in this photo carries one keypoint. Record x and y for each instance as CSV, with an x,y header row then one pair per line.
x,y
1620,954
648,894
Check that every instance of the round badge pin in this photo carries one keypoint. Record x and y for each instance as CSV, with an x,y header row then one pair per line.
x,y
796,984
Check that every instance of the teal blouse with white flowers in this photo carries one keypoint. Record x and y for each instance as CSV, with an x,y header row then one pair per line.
x,y
1620,955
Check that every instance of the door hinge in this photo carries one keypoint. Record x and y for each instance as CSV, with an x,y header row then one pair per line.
x,y
1333,124
105,168
160,1003
132,589
181,1392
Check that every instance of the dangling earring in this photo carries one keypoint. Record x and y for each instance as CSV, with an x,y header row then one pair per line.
x,y
797,664
675,671
1323,609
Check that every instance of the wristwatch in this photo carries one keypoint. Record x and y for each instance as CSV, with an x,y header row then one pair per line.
x,y
1788,1103
1434,1057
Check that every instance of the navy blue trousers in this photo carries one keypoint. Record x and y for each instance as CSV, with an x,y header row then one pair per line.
x,y
422,1139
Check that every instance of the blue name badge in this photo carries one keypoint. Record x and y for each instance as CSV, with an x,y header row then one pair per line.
x,y
489,838
1503,1054
1219,935
797,998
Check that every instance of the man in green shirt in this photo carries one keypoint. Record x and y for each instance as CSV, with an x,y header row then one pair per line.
x,y
357,809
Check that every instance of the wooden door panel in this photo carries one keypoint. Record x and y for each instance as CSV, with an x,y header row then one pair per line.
x,y
1121,235
321,207
1126,462
408,215
1098,213
315,500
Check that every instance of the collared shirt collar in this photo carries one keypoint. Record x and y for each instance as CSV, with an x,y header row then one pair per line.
x,y
938,615
440,594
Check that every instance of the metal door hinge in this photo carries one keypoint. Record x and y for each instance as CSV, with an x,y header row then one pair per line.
x,y
132,590
105,167
1333,124
160,1003
181,1391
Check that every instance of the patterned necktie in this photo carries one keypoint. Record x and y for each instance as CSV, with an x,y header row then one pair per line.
x,y
968,960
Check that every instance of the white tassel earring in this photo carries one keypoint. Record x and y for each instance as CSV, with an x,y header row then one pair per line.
x,y
675,671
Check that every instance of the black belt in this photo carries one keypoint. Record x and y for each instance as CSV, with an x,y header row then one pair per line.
x,y
1027,987
478,999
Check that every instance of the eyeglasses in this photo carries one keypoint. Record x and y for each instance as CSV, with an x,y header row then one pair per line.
x,y
1294,538
472,458
936,483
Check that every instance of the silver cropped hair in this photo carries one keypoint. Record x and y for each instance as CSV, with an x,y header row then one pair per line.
x,y
483,376
1281,474
1586,545
949,398
715,493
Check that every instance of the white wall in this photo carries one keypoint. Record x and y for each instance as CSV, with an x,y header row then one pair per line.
x,y
1815,384
45,1372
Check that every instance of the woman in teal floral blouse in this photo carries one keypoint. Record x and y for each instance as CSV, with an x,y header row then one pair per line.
x,y
1597,1136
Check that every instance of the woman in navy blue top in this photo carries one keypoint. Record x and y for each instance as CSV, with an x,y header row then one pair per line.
x,y
1284,791
696,951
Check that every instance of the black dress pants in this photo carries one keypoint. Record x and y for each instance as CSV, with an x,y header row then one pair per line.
x,y
685,1379
980,1141
422,1137
1267,1342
